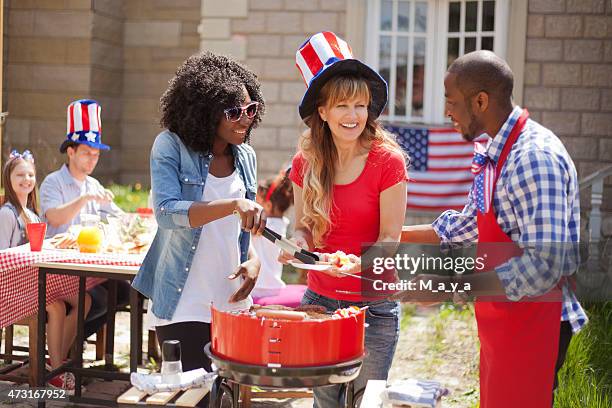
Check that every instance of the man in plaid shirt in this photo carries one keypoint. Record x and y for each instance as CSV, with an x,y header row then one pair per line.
x,y
529,196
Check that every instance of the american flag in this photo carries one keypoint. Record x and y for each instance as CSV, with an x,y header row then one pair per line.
x,y
440,174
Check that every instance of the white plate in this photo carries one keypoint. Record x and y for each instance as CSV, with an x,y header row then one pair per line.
x,y
311,267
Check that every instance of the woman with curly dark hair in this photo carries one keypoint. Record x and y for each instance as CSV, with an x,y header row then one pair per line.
x,y
202,171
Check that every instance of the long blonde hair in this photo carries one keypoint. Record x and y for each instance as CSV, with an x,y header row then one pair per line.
x,y
319,151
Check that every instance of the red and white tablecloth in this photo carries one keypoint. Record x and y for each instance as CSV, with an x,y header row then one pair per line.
x,y
19,278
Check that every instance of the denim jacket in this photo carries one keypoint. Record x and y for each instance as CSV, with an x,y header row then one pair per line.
x,y
178,176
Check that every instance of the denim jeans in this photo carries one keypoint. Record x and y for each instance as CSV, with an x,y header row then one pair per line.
x,y
381,335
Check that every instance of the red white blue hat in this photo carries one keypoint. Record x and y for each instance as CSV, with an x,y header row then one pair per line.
x,y
324,55
83,125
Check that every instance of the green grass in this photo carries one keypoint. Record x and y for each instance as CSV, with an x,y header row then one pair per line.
x,y
447,313
586,377
585,380
408,311
130,197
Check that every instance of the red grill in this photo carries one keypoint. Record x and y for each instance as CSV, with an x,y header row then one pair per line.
x,y
284,343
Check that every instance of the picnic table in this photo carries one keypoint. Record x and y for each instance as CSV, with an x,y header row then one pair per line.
x,y
31,280
19,277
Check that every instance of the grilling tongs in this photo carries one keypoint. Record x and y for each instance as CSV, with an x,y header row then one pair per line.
x,y
286,245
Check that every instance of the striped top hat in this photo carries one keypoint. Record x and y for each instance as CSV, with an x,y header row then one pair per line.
x,y
84,125
324,55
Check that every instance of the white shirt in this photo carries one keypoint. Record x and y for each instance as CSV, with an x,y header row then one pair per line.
x,y
269,282
216,257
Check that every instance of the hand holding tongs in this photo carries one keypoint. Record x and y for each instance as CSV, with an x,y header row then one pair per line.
x,y
286,245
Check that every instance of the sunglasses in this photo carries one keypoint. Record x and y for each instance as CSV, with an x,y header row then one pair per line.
x,y
235,114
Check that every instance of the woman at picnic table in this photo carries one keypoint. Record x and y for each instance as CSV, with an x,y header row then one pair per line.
x,y
349,182
20,208
203,171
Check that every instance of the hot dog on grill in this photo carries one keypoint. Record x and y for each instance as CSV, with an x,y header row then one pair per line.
x,y
281,314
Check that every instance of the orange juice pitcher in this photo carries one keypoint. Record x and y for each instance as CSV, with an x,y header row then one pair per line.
x,y
90,237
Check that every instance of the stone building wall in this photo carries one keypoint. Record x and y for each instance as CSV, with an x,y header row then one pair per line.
x,y
158,36
265,35
119,53
48,64
106,80
568,79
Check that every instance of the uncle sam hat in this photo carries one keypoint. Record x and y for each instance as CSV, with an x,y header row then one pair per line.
x,y
83,125
324,55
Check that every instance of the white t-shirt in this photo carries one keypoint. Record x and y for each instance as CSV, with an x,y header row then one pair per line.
x,y
269,282
216,257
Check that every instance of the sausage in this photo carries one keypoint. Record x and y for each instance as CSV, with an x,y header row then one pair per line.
x,y
311,308
281,314
268,307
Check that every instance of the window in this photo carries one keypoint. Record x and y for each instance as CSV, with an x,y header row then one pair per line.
x,y
412,42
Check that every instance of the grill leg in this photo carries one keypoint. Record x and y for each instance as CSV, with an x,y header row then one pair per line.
x,y
342,399
229,391
357,395
216,394
235,395
347,395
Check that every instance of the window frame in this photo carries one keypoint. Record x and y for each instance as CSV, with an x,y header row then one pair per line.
x,y
436,50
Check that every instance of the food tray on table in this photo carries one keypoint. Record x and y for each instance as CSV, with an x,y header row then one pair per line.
x,y
129,234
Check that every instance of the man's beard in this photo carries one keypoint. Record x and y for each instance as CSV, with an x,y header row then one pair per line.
x,y
474,129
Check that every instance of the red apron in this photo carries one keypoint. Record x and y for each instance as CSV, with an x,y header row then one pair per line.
x,y
518,340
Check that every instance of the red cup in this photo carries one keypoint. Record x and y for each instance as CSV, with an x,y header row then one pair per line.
x,y
36,234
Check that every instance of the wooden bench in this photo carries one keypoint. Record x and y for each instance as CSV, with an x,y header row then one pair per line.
x,y
188,398
247,394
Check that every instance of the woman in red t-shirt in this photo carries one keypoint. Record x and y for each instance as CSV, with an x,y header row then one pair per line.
x,y
349,180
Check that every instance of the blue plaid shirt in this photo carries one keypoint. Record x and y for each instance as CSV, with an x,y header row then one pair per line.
x,y
536,201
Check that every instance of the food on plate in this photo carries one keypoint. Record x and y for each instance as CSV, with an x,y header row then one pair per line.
x,y
136,228
131,247
64,240
338,259
130,234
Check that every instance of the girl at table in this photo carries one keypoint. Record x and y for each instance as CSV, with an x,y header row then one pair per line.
x,y
20,208
202,173
349,182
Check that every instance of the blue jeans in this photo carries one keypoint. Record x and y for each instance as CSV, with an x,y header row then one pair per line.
x,y
381,335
